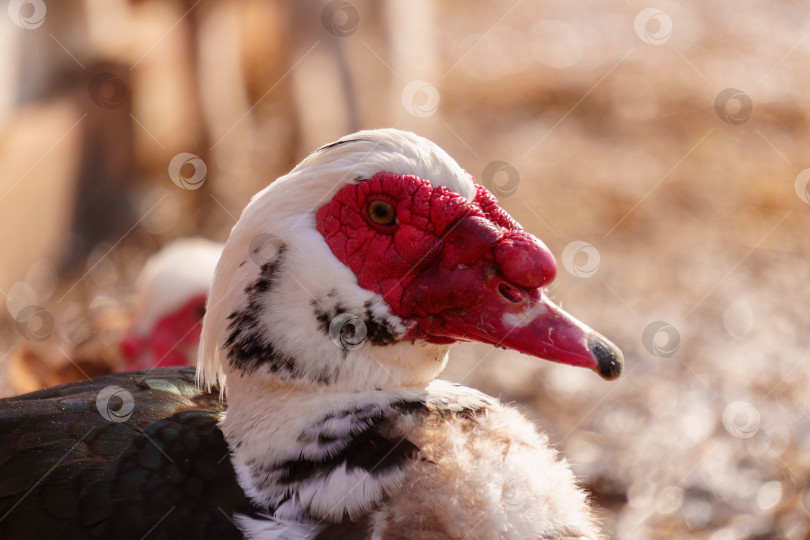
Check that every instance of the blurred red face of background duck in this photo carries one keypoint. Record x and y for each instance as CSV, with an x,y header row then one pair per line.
x,y
172,341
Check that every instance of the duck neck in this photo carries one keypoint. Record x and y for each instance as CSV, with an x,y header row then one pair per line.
x,y
288,444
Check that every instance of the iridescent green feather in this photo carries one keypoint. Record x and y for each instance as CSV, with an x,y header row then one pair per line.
x,y
68,472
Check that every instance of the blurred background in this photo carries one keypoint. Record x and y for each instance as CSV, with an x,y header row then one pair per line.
x,y
659,149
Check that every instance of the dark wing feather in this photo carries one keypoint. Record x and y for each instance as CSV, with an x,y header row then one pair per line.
x,y
67,472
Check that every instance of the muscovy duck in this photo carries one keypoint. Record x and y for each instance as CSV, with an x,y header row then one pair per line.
x,y
170,293
336,299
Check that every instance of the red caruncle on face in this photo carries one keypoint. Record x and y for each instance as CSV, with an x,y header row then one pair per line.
x,y
455,269
436,238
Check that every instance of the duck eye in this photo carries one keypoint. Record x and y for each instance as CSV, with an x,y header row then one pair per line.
x,y
382,213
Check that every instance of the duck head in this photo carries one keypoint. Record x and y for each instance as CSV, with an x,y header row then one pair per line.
x,y
363,265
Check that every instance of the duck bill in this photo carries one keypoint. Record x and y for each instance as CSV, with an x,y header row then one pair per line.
x,y
528,322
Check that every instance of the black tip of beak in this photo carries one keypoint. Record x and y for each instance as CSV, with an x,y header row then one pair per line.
x,y
608,356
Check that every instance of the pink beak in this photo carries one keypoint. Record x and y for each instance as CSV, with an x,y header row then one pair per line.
x,y
528,322
498,299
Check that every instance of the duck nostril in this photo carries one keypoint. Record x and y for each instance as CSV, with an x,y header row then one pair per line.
x,y
510,293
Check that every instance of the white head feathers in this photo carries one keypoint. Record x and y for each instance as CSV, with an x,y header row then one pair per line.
x,y
282,216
